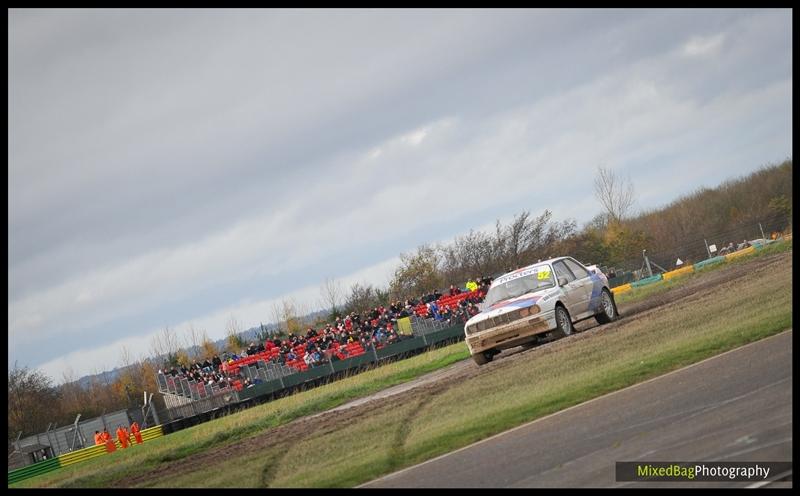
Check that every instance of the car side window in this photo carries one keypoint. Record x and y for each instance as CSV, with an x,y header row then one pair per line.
x,y
562,271
576,269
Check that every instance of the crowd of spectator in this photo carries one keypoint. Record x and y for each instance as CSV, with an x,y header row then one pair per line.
x,y
457,312
208,372
376,327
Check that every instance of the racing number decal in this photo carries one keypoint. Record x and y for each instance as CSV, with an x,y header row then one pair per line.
x,y
543,274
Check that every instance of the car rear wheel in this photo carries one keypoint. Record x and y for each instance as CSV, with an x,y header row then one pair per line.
x,y
608,308
563,321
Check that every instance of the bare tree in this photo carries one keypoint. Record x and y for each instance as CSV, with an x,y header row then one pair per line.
x,y
193,339
289,315
72,395
207,347
164,344
331,292
614,193
529,236
126,357
362,297
276,311
418,272
233,330
28,391
302,309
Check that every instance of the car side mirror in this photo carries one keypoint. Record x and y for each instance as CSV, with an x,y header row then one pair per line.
x,y
562,281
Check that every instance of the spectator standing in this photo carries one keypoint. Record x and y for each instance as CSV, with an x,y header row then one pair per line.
x,y
122,436
110,446
434,311
136,432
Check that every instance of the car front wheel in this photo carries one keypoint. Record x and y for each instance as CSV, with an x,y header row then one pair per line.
x,y
608,308
563,321
483,357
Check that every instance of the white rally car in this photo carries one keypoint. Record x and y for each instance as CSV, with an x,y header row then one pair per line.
x,y
538,299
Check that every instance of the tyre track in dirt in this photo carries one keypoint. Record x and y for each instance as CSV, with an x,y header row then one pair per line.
x,y
423,389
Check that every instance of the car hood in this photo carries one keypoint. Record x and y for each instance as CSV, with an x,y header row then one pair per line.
x,y
511,305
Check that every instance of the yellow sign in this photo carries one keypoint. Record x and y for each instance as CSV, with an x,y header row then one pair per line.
x,y
404,326
544,274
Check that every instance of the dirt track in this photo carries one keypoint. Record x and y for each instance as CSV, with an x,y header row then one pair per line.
x,y
435,382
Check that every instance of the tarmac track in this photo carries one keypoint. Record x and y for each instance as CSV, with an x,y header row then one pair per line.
x,y
732,407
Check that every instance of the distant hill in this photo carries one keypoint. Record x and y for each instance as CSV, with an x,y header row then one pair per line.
x,y
103,377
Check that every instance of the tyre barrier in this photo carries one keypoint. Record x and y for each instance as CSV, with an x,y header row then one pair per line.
x,y
621,280
33,470
737,254
710,261
689,268
76,456
646,281
678,272
621,289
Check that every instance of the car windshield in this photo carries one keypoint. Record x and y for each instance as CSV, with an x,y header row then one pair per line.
x,y
531,280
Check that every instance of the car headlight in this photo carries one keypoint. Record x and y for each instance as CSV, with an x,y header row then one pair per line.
x,y
532,310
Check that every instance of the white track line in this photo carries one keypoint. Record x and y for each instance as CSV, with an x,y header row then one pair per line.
x,y
764,483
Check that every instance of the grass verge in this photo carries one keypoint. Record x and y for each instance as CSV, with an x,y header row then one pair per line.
x,y
102,471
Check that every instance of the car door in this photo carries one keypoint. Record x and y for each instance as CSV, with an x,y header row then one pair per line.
x,y
584,281
572,289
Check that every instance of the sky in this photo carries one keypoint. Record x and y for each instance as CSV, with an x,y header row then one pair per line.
x,y
183,167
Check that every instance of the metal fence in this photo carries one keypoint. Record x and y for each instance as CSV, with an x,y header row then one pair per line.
x,y
183,387
421,325
182,407
60,440
184,398
700,247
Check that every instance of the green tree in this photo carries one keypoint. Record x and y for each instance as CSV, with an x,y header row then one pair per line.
x,y
623,243
782,206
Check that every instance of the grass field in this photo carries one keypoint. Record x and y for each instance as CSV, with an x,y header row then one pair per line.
x,y
638,294
419,426
229,429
